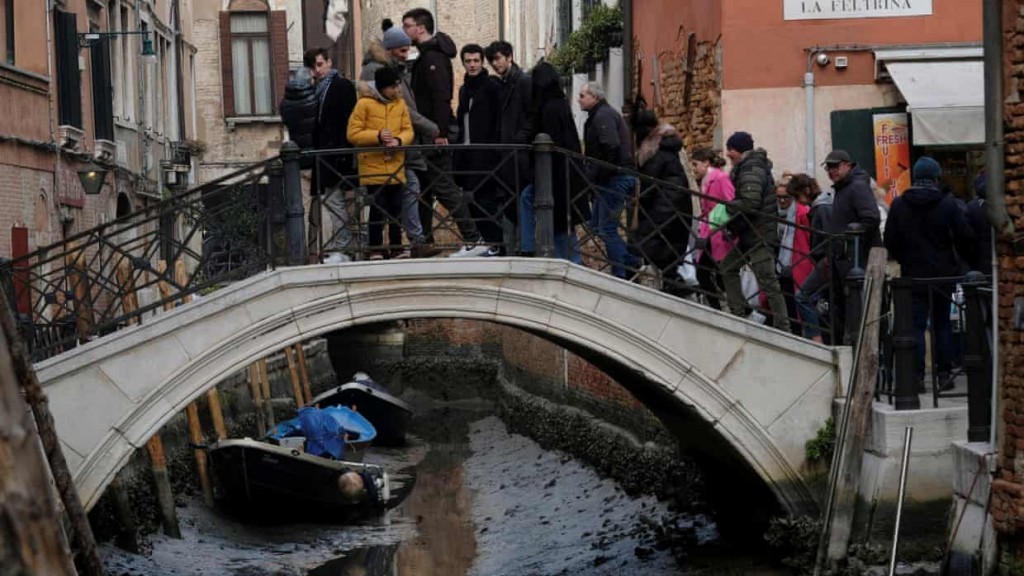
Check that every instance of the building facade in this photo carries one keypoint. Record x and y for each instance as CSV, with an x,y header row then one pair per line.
x,y
80,91
785,69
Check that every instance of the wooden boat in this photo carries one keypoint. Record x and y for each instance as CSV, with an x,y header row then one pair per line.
x,y
389,415
266,482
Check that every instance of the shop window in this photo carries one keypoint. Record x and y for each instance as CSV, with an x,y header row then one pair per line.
x,y
254,61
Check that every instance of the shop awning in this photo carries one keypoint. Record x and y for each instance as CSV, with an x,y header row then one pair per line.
x,y
945,97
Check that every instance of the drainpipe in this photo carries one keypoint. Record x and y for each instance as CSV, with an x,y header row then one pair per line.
x,y
995,165
994,151
809,105
627,50
501,19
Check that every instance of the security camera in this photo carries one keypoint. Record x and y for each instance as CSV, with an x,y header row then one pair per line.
x,y
821,59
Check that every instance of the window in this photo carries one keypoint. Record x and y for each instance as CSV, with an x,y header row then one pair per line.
x,y
9,30
69,81
250,64
254,61
102,90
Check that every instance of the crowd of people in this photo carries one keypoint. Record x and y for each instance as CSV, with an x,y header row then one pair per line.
x,y
774,251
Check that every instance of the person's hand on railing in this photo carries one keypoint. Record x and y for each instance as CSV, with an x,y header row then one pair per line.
x,y
441,141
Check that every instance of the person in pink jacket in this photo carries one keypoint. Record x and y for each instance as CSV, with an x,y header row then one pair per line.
x,y
713,245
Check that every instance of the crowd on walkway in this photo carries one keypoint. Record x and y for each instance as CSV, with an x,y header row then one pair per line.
x,y
776,252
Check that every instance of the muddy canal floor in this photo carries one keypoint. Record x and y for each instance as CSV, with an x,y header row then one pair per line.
x,y
485,503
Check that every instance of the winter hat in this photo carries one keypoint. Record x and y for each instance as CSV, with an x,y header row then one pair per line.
x,y
980,186
740,142
386,76
927,169
395,38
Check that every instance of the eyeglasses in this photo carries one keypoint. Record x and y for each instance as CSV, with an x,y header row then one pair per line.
x,y
783,198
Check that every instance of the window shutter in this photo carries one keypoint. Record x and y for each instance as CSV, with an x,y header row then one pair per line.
x,y
102,91
69,81
279,51
226,72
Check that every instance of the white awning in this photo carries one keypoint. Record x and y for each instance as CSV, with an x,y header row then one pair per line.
x,y
946,99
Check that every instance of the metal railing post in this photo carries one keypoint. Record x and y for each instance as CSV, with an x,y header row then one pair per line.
x,y
977,360
294,212
543,197
904,345
275,212
854,284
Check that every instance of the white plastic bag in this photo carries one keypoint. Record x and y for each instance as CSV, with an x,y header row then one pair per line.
x,y
751,291
687,270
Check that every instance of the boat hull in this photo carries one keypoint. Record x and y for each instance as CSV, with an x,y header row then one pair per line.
x,y
389,415
266,481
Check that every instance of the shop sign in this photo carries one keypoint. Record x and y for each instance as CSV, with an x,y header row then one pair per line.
x,y
840,9
892,154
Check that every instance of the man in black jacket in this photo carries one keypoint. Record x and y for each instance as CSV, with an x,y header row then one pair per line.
x,y
333,175
754,222
924,232
514,124
853,203
478,117
432,84
606,138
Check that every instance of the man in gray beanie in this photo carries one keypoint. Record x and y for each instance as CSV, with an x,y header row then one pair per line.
x,y
753,223
393,51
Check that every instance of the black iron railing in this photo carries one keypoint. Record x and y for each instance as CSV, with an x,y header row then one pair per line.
x,y
502,199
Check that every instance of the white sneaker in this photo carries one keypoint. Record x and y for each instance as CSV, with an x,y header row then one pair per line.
x,y
491,252
757,317
471,250
337,258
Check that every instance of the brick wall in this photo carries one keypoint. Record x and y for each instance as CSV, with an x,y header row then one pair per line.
x,y
1008,485
696,119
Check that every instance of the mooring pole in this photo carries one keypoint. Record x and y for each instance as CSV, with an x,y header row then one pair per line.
x,y
908,434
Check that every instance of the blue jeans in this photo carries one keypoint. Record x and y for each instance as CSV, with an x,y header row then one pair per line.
x,y
814,288
606,218
566,243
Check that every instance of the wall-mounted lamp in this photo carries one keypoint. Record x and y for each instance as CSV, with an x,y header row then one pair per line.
x,y
87,39
92,177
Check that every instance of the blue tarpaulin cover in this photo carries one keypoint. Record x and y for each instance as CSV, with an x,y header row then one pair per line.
x,y
325,428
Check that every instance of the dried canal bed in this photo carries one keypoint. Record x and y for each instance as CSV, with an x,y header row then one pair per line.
x,y
486,503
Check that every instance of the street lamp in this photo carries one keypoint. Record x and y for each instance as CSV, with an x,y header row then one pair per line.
x,y
87,39
92,177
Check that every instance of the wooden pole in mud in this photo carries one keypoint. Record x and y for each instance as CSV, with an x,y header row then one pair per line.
x,y
268,405
155,446
29,522
294,371
304,371
195,428
216,413
127,530
256,389
38,540
164,494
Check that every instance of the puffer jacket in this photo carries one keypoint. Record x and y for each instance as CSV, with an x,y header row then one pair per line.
x,y
372,114
606,137
377,57
754,208
298,110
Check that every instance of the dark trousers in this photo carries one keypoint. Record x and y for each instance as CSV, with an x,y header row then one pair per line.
x,y
436,182
386,208
788,288
942,329
709,279
487,206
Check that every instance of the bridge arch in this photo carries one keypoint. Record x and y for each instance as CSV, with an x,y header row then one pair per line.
x,y
110,396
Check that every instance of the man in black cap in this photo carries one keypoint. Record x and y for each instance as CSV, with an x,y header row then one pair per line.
x,y
924,232
753,223
854,203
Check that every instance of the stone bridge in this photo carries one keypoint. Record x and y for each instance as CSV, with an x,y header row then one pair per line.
x,y
764,393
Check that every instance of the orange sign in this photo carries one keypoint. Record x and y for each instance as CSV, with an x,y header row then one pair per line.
x,y
892,154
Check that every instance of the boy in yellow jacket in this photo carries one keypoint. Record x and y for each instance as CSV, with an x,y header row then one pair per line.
x,y
381,118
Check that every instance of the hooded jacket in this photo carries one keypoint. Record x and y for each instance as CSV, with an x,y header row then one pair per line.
x,y
666,213
924,232
432,80
372,114
753,210
377,57
298,111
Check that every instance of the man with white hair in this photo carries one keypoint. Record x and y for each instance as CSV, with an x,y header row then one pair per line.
x,y
606,138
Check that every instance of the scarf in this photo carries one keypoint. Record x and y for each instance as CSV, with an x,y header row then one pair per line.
x,y
321,92
787,232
